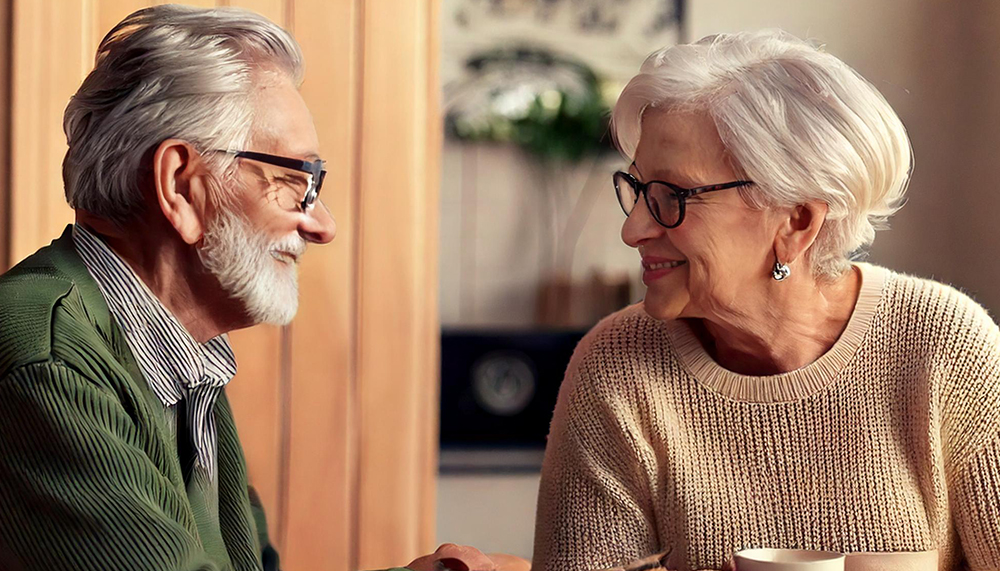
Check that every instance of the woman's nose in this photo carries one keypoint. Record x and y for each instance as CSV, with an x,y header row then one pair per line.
x,y
640,226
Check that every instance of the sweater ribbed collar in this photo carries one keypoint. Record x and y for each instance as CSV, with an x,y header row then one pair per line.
x,y
793,385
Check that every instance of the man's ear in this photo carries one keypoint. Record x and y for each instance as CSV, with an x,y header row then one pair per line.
x,y
180,181
798,230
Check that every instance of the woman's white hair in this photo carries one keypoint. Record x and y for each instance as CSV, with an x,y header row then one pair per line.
x,y
167,72
797,121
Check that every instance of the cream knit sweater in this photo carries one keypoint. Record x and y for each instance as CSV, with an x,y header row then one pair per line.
x,y
889,442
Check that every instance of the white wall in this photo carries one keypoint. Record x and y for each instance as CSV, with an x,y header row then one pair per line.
x,y
498,227
494,512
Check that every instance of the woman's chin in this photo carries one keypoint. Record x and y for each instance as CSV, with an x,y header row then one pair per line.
x,y
665,307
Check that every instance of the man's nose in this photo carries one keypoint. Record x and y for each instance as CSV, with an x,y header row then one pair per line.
x,y
318,225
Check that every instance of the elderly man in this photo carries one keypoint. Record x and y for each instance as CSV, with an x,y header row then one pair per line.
x,y
194,173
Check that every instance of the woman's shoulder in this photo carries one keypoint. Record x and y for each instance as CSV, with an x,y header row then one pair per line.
x,y
934,307
621,349
964,342
622,333
944,330
627,318
615,366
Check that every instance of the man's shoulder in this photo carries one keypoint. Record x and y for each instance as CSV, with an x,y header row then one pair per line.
x,y
33,297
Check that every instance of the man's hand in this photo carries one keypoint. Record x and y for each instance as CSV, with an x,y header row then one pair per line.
x,y
453,557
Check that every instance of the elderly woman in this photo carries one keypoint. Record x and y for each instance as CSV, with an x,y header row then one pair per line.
x,y
769,391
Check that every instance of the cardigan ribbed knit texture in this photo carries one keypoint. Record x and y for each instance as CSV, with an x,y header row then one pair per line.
x,y
890,442
90,473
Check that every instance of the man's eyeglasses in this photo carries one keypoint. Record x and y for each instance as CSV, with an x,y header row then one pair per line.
x,y
665,201
294,182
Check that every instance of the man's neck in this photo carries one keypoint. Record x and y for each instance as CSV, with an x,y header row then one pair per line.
x,y
172,270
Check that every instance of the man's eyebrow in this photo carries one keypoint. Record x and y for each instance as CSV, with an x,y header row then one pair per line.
x,y
302,154
255,168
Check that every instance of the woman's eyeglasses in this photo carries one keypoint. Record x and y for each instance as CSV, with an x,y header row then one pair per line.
x,y
665,201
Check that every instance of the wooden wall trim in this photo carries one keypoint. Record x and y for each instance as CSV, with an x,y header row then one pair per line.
x,y
398,267
47,66
434,134
357,134
6,43
321,533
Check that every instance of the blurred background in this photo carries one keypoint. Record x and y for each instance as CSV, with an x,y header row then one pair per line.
x,y
478,235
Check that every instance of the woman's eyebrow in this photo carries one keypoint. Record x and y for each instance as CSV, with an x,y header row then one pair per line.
x,y
640,177
636,167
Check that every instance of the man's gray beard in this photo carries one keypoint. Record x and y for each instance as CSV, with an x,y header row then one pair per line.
x,y
239,256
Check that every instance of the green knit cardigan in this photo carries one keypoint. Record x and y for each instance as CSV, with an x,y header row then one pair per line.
x,y
90,476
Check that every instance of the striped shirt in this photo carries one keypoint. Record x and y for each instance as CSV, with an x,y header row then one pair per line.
x,y
185,375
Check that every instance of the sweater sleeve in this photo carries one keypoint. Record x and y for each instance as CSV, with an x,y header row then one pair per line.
x,y
76,491
975,498
972,436
595,506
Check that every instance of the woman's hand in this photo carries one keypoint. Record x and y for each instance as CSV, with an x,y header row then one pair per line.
x,y
659,562
729,566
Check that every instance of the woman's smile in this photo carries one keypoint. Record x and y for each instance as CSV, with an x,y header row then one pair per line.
x,y
655,268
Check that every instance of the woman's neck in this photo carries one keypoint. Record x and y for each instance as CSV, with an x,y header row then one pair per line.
x,y
788,327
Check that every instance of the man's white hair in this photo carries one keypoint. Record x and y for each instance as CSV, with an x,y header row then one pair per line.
x,y
797,121
167,72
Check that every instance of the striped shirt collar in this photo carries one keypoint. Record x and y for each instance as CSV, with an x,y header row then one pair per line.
x,y
171,360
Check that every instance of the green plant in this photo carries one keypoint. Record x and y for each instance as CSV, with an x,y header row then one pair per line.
x,y
549,120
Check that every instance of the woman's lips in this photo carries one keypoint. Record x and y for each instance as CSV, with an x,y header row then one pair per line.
x,y
656,268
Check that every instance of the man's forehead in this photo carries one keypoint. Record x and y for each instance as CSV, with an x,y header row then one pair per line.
x,y
267,140
283,124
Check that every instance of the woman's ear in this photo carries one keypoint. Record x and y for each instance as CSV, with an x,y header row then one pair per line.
x,y
179,178
798,230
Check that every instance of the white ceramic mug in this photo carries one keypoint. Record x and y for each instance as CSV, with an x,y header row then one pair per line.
x,y
788,560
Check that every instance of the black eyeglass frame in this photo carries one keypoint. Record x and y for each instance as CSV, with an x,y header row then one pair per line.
x,y
681,193
315,168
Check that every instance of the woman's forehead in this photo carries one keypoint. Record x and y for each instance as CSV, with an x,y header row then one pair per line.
x,y
684,146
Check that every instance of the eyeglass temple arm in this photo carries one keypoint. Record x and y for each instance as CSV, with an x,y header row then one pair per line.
x,y
689,192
